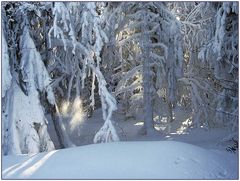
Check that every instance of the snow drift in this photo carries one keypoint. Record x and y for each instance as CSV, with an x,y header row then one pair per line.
x,y
124,160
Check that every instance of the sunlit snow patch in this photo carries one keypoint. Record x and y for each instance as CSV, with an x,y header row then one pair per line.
x,y
124,160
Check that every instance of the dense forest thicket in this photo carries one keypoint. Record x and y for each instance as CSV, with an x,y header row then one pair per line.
x,y
147,58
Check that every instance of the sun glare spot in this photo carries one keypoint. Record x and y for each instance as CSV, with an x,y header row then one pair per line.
x,y
138,124
78,114
64,108
164,119
185,124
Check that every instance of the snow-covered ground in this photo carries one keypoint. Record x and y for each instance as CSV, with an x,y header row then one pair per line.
x,y
124,160
164,155
128,130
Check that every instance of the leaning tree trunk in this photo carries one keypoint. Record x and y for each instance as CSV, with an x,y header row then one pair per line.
x,y
57,129
61,131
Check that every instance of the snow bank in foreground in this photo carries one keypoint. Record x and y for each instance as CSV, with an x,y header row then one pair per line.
x,y
124,160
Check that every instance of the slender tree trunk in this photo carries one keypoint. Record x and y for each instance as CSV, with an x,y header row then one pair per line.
x,y
60,129
147,82
57,129
147,96
170,108
171,79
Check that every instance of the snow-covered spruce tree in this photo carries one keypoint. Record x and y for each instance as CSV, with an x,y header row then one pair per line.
x,y
40,19
107,132
130,71
92,38
68,69
162,68
6,85
27,128
211,73
24,131
221,54
194,36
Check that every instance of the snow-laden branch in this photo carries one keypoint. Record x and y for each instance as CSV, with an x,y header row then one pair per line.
x,y
6,75
92,41
28,129
122,84
61,13
136,36
107,133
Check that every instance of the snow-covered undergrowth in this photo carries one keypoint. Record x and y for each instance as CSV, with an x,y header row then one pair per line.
x,y
124,160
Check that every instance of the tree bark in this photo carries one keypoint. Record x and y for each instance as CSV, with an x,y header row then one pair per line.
x,y
147,82
57,129
60,129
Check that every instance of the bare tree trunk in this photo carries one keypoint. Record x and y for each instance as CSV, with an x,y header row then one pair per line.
x,y
60,129
171,79
57,129
170,108
147,82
